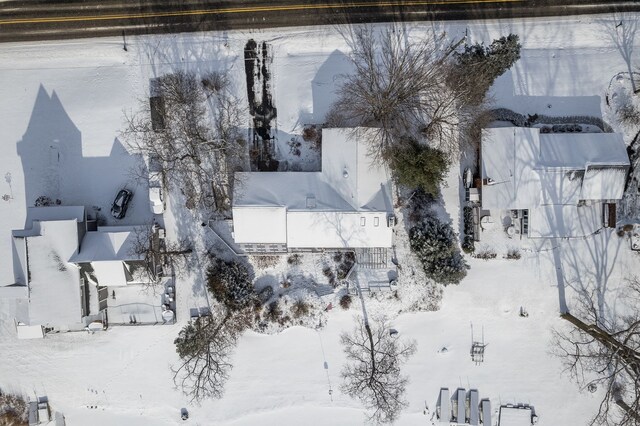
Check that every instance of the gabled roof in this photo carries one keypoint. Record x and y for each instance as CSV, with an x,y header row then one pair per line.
x,y
108,243
508,160
523,169
304,208
54,283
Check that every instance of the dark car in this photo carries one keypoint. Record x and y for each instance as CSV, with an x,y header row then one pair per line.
x,y
120,204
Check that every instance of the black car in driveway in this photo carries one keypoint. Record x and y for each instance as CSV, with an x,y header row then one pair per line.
x,y
120,204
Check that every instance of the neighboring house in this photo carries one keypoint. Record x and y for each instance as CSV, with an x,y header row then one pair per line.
x,y
346,205
64,266
551,185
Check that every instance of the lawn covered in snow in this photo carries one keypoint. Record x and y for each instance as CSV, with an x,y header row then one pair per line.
x,y
62,106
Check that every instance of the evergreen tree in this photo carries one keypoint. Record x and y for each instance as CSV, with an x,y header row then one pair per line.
x,y
230,283
419,166
477,67
434,243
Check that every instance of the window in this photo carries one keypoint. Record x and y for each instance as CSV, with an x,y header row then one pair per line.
x,y
363,220
376,221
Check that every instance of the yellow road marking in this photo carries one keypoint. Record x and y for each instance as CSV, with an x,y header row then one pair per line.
x,y
247,10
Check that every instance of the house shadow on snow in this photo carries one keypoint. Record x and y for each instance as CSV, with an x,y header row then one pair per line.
x,y
55,166
325,85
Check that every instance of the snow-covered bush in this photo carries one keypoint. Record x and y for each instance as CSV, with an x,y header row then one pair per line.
x,y
468,245
504,114
513,254
434,243
273,312
299,309
476,68
345,301
346,262
230,283
265,262
569,124
485,254
415,165
295,260
13,409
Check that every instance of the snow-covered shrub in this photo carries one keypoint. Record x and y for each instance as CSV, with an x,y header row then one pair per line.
x,y
265,294
485,254
513,254
415,165
477,67
468,244
434,244
44,201
504,114
629,114
347,260
215,82
273,312
295,260
299,309
264,262
13,409
345,301
230,283
331,276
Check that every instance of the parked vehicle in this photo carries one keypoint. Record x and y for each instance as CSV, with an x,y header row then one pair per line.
x,y
156,195
120,204
156,200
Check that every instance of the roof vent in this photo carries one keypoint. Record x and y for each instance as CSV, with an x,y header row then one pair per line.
x,y
345,173
311,201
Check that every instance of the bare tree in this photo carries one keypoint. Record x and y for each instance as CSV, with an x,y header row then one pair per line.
x,y
599,351
205,346
372,373
400,86
157,253
193,133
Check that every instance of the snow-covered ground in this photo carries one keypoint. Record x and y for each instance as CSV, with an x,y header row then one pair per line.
x,y
62,107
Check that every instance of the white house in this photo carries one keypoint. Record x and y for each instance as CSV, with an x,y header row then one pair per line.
x,y
55,297
64,267
346,205
551,185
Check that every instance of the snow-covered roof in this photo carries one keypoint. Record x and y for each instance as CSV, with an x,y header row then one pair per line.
x,y
54,297
52,213
523,169
512,416
564,220
604,182
318,209
253,230
293,190
575,150
29,331
508,160
338,229
14,292
110,273
108,243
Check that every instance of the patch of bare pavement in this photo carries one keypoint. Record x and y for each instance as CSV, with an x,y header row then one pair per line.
x,y
48,20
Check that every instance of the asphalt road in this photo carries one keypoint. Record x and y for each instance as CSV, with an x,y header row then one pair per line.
x,y
58,19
